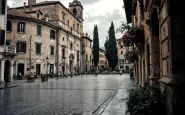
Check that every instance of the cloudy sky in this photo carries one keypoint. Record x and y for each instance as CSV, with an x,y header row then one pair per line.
x,y
100,12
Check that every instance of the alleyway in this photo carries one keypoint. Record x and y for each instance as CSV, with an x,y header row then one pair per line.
x,y
77,95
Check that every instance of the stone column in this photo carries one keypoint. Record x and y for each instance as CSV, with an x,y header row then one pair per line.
x,y
2,70
11,71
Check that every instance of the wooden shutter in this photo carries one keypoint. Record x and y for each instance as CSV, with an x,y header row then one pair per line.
x,y
2,37
24,47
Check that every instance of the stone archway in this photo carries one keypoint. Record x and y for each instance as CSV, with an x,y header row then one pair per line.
x,y
7,70
71,60
155,48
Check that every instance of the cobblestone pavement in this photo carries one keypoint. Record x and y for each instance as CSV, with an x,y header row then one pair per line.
x,y
80,95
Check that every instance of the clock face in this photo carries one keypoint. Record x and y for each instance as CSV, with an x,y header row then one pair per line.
x,y
74,11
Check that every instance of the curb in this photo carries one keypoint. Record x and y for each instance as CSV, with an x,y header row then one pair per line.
x,y
102,107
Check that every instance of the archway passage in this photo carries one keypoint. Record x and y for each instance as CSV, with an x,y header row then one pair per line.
x,y
126,69
155,51
7,70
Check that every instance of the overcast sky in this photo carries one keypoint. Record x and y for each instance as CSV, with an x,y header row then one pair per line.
x,y
100,12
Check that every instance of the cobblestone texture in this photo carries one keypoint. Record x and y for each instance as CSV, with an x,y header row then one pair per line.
x,y
70,96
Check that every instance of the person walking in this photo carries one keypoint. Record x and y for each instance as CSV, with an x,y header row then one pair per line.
x,y
120,72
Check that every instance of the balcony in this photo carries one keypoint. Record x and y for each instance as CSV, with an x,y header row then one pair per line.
x,y
10,50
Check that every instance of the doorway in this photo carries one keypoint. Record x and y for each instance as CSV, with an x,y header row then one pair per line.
x,y
7,70
51,68
38,69
20,69
63,69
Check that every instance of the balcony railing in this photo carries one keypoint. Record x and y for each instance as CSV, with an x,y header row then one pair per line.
x,y
10,50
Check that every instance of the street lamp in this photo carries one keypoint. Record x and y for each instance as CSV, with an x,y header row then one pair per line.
x,y
47,60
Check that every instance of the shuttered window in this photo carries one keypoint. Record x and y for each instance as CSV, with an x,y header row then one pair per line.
x,y
38,48
2,37
21,27
9,26
21,47
52,34
39,29
2,6
52,51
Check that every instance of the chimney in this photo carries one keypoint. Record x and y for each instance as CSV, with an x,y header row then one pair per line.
x,y
24,6
24,3
31,2
46,17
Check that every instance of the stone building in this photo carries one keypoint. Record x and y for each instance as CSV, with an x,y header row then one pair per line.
x,y
35,41
103,62
161,59
86,53
123,64
67,26
7,52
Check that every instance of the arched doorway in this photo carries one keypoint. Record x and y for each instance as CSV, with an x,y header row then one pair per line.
x,y
7,70
71,59
155,54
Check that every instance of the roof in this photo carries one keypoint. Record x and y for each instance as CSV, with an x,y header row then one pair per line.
x,y
20,14
49,2
30,11
128,10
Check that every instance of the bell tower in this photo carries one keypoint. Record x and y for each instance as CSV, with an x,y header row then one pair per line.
x,y
77,9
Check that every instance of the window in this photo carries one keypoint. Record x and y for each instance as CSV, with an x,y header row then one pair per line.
x,y
77,27
121,52
2,6
39,30
63,52
86,43
121,61
74,11
9,26
121,46
90,58
121,67
78,56
38,16
71,46
74,26
63,38
2,37
52,51
68,22
52,34
90,44
63,17
38,48
21,47
86,57
21,27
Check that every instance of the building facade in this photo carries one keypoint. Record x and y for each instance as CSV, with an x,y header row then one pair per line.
x,y
123,64
59,37
86,53
161,59
35,41
103,62
7,52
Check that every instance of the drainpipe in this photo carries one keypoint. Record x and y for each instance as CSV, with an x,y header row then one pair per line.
x,y
30,52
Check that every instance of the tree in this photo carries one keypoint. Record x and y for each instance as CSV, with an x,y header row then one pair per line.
x,y
111,47
95,47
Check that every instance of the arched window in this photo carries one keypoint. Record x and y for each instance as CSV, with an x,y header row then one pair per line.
x,y
71,46
74,11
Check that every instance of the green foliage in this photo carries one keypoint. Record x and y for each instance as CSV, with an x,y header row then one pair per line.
x,y
95,46
111,47
145,100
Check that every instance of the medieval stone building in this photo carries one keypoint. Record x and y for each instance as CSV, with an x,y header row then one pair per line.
x,y
46,36
161,58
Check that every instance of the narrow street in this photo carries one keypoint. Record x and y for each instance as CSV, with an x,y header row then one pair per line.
x,y
78,95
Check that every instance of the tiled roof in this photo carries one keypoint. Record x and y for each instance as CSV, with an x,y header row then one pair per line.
x,y
46,2
15,12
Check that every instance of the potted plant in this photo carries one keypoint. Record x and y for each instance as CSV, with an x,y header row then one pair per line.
x,y
147,100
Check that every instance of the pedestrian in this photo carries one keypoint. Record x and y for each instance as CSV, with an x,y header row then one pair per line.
x,y
6,81
120,72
